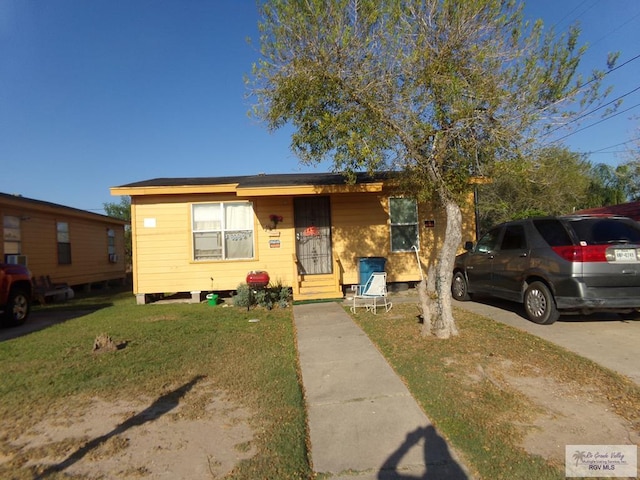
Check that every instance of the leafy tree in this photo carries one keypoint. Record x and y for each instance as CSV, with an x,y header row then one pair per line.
x,y
614,185
122,211
629,170
427,88
628,179
604,188
611,185
554,181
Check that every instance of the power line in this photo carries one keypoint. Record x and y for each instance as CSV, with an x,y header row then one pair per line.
x,y
577,89
604,119
610,71
614,146
574,9
615,29
605,153
595,78
586,114
596,123
622,65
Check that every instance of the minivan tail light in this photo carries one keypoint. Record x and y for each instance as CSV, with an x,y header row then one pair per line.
x,y
578,253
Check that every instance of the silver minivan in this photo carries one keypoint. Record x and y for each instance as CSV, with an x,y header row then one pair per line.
x,y
556,265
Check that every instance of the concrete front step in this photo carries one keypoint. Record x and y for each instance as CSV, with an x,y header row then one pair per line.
x,y
318,296
318,287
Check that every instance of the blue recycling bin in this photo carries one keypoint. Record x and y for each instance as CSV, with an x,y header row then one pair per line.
x,y
369,265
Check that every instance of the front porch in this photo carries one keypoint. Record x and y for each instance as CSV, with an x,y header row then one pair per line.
x,y
316,286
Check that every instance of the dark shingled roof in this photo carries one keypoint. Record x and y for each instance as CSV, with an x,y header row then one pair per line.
x,y
264,180
7,197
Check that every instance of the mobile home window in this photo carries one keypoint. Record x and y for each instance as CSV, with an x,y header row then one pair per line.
x,y
222,231
111,246
403,216
64,243
11,235
111,241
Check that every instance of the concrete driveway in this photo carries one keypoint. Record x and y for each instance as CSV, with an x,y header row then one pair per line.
x,y
604,338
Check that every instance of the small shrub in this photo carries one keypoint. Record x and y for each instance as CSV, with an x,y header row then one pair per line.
x,y
243,295
284,296
273,295
264,298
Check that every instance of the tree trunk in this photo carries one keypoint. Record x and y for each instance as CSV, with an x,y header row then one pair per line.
x,y
426,305
427,295
445,325
431,280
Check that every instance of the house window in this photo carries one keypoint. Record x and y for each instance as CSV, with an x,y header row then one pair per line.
x,y
64,243
222,231
403,215
11,235
111,245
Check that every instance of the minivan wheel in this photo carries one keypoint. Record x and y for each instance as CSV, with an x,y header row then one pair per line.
x,y
459,288
540,305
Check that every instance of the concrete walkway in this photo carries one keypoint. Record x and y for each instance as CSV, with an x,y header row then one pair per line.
x,y
363,422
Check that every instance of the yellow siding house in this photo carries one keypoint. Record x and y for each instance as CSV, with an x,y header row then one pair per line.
x,y
66,244
312,232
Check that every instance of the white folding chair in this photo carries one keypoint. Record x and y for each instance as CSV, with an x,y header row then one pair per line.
x,y
372,294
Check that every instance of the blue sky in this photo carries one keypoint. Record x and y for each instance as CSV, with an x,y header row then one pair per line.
x,y
100,93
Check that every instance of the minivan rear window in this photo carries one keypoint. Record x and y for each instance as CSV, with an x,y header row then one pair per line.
x,y
553,232
599,231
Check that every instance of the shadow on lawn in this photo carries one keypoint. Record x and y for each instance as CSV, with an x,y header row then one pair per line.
x,y
161,406
39,319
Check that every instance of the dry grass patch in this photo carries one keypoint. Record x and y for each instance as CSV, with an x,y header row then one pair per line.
x,y
197,392
509,401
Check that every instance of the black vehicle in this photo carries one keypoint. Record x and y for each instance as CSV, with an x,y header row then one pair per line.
x,y
554,265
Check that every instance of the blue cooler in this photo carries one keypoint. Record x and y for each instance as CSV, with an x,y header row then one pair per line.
x,y
369,265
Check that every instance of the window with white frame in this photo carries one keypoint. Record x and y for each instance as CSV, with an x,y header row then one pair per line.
x,y
222,231
403,216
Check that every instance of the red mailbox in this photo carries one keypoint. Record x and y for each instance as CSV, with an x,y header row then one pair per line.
x,y
257,279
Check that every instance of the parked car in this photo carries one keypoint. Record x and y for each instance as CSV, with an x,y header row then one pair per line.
x,y
15,294
554,265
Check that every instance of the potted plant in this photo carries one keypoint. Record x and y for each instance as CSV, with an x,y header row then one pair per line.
x,y
275,219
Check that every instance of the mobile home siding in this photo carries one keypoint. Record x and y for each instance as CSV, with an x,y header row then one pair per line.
x,y
88,236
89,251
